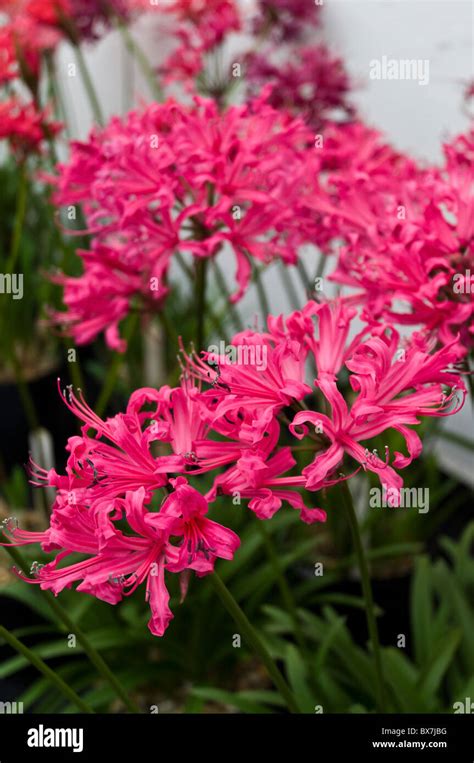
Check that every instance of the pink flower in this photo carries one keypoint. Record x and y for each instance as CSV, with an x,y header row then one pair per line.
x,y
266,376
177,538
183,515
313,84
286,20
31,29
260,480
256,403
407,231
200,26
24,126
212,20
395,384
8,62
178,178
42,24
89,19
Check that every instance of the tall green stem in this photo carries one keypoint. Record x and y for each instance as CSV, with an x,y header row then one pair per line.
x,y
367,591
214,319
75,368
24,392
20,212
323,261
55,679
262,295
293,298
72,627
114,368
305,279
222,285
56,93
89,86
285,590
201,272
251,635
141,59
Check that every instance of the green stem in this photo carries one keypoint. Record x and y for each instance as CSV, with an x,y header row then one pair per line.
x,y
55,679
470,382
114,368
262,295
251,635
323,260
456,438
305,279
367,591
73,628
293,298
169,328
215,319
201,272
221,283
20,212
285,590
184,266
56,94
75,369
141,59
25,394
89,86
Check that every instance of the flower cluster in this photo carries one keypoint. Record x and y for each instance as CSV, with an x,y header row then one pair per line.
x,y
286,20
239,419
313,85
25,127
26,34
31,29
37,26
200,26
407,231
172,178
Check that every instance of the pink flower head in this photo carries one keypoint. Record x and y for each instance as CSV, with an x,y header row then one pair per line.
x,y
8,62
240,427
111,478
24,126
200,26
395,384
41,24
33,27
286,20
313,85
407,232
212,20
177,538
89,19
178,178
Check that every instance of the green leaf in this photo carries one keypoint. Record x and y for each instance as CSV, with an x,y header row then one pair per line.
x,y
323,650
247,701
345,600
456,438
461,610
443,654
401,677
298,678
421,611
